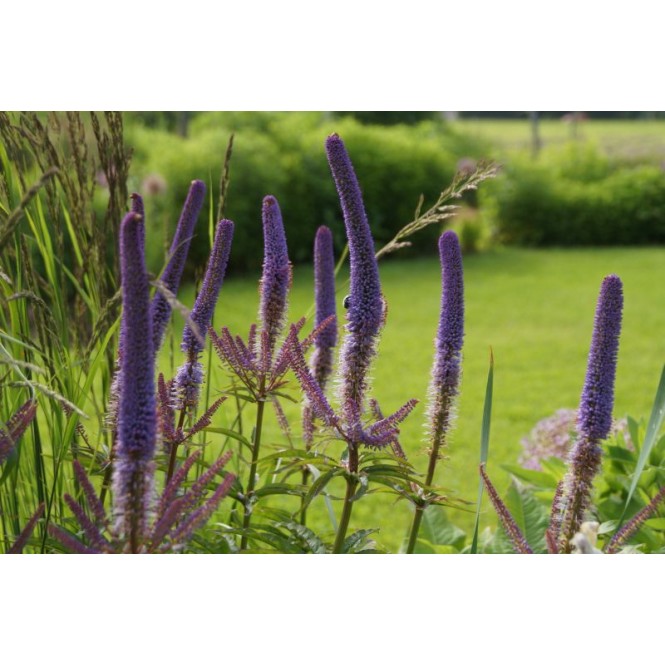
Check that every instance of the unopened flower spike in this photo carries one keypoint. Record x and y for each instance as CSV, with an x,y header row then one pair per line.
x,y
137,428
365,306
160,308
595,413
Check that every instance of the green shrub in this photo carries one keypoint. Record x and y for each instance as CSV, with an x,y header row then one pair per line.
x,y
577,197
282,154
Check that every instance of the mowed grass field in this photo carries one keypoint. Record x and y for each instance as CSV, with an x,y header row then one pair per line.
x,y
632,139
535,308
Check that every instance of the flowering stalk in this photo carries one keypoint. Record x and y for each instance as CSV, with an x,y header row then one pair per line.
x,y
595,415
321,362
15,427
134,468
365,316
160,309
275,285
189,378
446,370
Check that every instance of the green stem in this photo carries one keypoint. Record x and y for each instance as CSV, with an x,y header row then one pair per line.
x,y
420,508
251,482
174,448
351,484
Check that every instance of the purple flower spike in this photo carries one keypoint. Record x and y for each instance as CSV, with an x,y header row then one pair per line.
x,y
160,308
366,309
137,424
276,277
212,282
15,427
324,292
446,371
595,413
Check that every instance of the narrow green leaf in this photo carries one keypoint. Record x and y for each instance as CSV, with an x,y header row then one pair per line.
x,y
653,429
484,445
317,486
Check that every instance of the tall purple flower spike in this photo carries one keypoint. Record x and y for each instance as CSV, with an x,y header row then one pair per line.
x,y
446,371
595,414
137,426
160,309
366,308
276,276
12,431
324,293
190,375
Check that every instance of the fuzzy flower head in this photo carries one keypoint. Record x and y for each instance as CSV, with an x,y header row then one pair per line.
x,y
206,300
446,370
595,415
366,308
324,286
137,423
160,307
277,273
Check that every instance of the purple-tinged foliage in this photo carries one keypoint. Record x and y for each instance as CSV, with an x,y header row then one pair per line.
x,y
595,412
446,370
24,536
160,308
13,430
512,530
631,527
137,427
276,276
366,308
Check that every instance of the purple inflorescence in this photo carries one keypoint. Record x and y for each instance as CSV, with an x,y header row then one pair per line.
x,y
137,424
276,276
446,370
212,282
160,308
366,308
324,291
14,429
595,413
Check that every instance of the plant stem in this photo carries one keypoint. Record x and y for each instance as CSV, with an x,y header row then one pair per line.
x,y
420,509
251,482
351,484
174,448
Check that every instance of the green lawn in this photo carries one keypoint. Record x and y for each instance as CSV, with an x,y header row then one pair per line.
x,y
535,309
644,139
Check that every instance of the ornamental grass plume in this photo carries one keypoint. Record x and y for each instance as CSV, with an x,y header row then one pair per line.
x,y
14,428
137,427
594,417
447,367
160,308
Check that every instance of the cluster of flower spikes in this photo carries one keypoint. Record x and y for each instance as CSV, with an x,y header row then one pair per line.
x,y
365,316
141,522
259,362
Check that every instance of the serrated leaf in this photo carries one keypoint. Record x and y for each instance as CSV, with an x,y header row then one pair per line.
x,y
657,523
278,488
530,515
359,541
555,466
620,454
438,530
319,484
313,543
363,483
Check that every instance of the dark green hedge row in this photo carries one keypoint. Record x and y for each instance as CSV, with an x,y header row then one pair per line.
x,y
577,197
283,154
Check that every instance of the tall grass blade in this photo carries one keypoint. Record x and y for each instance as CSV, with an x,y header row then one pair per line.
x,y
484,445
